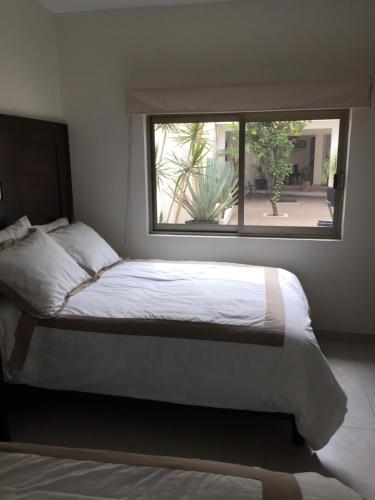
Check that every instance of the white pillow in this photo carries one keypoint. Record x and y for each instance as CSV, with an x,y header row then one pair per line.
x,y
16,231
86,247
38,274
52,226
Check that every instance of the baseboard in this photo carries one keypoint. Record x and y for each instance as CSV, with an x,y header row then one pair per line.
x,y
361,338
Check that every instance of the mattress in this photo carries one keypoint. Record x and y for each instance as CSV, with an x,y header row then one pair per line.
x,y
289,377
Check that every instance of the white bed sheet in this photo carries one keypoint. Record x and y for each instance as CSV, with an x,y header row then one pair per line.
x,y
294,378
35,477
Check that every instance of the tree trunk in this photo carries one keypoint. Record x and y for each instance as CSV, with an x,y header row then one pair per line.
x,y
273,195
182,195
274,188
274,208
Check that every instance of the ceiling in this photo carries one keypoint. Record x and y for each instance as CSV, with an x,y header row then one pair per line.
x,y
59,6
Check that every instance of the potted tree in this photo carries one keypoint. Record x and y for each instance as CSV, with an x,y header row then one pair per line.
x,y
306,178
272,143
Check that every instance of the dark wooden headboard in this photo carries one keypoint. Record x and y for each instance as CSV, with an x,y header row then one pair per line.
x,y
34,170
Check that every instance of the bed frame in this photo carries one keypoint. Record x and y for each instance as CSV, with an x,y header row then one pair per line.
x,y
35,181
34,170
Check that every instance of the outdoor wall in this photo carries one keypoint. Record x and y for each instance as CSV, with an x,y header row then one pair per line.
x,y
29,73
261,40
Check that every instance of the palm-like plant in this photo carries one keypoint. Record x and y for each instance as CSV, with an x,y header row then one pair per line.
x,y
161,164
210,192
193,136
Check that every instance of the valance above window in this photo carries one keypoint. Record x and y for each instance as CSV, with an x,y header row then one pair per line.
x,y
249,97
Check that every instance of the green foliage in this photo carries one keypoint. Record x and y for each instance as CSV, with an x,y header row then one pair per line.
x,y
329,167
231,151
272,143
161,165
192,135
161,219
174,171
210,192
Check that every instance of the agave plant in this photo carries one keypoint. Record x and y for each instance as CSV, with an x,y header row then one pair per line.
x,y
210,192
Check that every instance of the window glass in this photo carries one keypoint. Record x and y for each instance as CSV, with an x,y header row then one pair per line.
x,y
196,172
289,172
265,174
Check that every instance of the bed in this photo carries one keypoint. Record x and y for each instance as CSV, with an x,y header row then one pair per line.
x,y
212,334
75,351
36,471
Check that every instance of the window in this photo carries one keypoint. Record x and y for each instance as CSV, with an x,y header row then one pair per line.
x,y
260,174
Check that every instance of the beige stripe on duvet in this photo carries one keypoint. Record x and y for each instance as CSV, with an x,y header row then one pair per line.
x,y
275,485
275,312
272,332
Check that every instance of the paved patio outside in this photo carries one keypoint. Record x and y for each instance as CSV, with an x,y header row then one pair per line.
x,y
307,210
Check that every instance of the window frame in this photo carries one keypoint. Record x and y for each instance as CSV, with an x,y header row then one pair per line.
x,y
241,229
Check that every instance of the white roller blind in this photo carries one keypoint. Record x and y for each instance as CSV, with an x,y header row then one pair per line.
x,y
249,97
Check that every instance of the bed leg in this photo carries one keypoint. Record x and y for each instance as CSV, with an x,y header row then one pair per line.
x,y
4,416
296,437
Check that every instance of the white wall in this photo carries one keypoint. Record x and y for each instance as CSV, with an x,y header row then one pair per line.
x,y
29,72
257,40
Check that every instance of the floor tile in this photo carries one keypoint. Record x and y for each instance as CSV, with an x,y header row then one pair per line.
x,y
350,457
360,413
341,358
85,421
282,455
364,356
221,435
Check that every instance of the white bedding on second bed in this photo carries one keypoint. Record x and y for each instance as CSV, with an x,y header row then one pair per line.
x,y
31,476
294,378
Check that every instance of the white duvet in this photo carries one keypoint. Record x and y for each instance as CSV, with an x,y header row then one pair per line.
x,y
293,379
34,477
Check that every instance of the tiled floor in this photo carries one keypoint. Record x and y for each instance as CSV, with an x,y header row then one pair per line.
x,y
233,436
305,211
